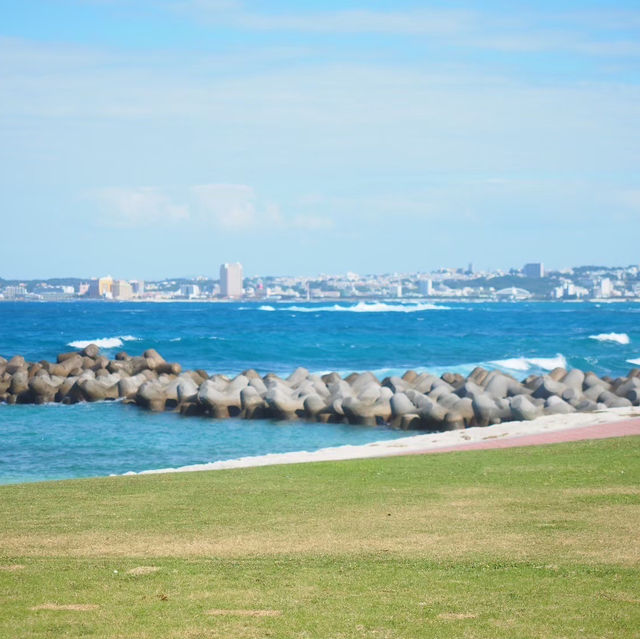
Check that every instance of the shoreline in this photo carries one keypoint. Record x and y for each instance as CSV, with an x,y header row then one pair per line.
x,y
515,432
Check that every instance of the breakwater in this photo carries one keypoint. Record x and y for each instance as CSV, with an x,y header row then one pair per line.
x,y
411,402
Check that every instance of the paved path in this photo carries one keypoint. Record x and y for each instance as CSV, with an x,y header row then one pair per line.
x,y
597,431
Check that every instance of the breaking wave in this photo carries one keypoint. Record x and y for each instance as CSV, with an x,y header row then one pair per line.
x,y
104,342
360,307
618,338
531,363
521,365
635,362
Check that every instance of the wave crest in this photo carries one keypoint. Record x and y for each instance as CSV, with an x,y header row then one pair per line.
x,y
522,365
528,363
618,338
104,342
360,307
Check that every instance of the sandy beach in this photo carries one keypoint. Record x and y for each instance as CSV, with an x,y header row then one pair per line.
x,y
612,422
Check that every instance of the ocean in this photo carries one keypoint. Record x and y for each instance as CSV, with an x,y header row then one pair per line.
x,y
85,440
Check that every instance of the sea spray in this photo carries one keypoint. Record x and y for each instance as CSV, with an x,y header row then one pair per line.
x,y
618,338
360,307
104,342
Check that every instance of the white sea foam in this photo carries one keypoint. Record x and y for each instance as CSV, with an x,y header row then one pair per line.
x,y
618,338
104,342
529,363
522,365
418,443
360,307
514,364
635,362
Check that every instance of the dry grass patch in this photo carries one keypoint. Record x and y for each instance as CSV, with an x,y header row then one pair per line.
x,y
450,523
244,613
454,616
142,570
74,607
12,567
620,596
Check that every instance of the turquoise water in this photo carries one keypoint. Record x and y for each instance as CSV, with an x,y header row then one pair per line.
x,y
54,442
85,440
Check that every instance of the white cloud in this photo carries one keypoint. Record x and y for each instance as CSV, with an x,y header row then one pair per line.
x,y
435,22
137,207
204,5
233,208
629,199
312,223
516,31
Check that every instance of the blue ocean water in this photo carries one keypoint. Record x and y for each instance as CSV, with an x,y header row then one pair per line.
x,y
54,442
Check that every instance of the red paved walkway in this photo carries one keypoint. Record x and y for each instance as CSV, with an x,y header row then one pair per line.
x,y
598,431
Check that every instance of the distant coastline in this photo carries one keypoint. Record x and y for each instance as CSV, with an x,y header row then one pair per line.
x,y
532,282
344,300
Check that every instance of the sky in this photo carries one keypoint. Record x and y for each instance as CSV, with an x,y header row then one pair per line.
x,y
158,138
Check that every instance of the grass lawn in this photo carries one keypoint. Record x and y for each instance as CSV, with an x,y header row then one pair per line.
x,y
514,543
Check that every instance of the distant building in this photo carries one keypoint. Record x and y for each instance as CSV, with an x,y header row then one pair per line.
x,y
231,280
105,286
15,292
568,290
603,288
137,287
533,269
50,293
121,290
425,287
93,289
512,293
189,290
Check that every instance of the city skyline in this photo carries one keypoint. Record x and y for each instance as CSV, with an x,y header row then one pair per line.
x,y
530,282
386,136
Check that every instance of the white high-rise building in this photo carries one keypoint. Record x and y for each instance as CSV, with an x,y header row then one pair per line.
x,y
603,288
189,290
231,280
426,287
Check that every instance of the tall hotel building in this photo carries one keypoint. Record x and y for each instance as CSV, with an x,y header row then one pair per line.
x,y
231,280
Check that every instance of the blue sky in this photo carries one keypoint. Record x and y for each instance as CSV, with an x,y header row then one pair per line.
x,y
156,138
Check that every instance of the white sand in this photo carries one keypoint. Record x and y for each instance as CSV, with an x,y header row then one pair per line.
x,y
419,443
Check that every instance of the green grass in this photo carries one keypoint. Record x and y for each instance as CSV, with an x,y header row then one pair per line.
x,y
528,542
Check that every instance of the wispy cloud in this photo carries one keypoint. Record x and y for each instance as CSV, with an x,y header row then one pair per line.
x,y
630,199
233,207
312,223
230,208
608,33
440,22
136,207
